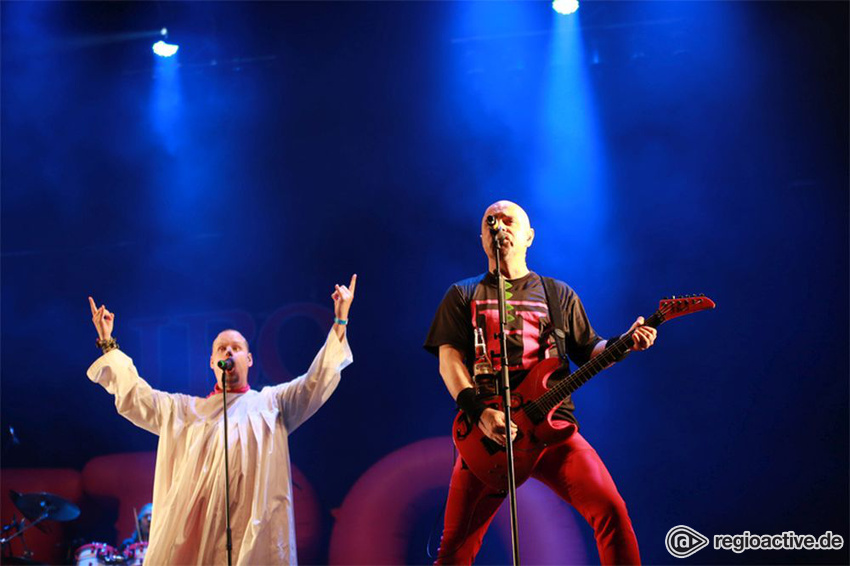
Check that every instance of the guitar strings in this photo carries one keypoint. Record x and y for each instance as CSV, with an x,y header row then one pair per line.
x,y
571,383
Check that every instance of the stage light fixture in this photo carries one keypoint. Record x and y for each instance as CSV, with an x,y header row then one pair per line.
x,y
165,49
565,7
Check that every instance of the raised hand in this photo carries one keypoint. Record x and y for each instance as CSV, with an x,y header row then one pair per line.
x,y
644,336
343,296
103,320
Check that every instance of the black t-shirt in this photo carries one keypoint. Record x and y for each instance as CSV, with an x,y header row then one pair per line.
x,y
473,303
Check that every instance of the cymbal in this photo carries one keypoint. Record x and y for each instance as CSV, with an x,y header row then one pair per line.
x,y
34,505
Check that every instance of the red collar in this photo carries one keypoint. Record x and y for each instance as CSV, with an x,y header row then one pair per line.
x,y
244,389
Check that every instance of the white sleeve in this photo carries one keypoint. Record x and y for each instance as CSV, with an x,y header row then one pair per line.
x,y
135,400
300,398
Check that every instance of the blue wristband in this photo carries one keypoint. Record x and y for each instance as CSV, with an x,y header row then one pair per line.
x,y
340,321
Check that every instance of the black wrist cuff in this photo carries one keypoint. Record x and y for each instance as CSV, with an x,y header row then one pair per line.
x,y
610,344
470,405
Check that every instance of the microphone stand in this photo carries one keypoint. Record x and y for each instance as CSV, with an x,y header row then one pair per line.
x,y
226,471
506,391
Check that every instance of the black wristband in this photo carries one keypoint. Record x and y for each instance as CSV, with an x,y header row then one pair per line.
x,y
609,344
470,405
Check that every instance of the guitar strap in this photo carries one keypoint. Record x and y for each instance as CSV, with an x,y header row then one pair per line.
x,y
556,316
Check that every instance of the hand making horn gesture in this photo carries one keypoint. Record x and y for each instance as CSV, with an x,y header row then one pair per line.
x,y
343,296
103,320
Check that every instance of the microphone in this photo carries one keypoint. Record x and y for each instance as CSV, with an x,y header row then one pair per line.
x,y
496,229
226,364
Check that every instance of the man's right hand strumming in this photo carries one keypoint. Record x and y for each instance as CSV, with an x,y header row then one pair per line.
x,y
103,320
456,377
492,424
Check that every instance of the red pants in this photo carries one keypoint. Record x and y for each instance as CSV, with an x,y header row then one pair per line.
x,y
574,471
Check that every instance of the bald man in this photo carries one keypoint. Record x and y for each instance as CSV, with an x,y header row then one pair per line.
x,y
188,523
571,468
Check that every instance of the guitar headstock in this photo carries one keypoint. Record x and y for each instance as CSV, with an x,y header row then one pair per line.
x,y
675,306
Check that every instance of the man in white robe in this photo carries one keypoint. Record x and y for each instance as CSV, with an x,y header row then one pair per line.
x,y
188,524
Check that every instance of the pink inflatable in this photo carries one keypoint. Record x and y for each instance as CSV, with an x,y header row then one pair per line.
x,y
376,519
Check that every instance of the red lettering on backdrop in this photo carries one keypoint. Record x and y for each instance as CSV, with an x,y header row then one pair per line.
x,y
200,328
386,502
270,357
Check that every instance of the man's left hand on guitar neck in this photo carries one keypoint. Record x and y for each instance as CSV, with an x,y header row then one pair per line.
x,y
644,336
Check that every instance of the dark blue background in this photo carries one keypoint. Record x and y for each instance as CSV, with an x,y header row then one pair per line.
x,y
659,148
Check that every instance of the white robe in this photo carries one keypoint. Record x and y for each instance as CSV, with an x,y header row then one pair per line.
x,y
188,496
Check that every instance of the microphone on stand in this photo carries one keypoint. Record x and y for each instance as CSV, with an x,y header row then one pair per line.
x,y
496,228
226,365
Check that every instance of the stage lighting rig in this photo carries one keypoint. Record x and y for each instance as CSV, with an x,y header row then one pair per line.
x,y
162,48
565,7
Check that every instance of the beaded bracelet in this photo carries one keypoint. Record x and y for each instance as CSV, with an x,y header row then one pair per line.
x,y
106,345
340,321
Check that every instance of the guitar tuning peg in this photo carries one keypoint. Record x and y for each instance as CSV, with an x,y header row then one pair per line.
x,y
673,297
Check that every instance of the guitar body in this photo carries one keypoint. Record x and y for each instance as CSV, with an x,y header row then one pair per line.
x,y
487,459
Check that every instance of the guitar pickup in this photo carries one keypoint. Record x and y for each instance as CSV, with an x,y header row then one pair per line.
x,y
491,446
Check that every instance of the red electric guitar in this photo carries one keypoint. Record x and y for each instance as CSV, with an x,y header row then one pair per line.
x,y
533,402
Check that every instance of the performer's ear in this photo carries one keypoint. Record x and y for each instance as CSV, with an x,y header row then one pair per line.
x,y
250,359
530,237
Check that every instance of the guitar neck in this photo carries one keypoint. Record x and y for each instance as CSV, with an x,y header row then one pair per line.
x,y
668,309
613,351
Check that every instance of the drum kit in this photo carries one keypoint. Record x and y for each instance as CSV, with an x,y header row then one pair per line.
x,y
39,507
100,554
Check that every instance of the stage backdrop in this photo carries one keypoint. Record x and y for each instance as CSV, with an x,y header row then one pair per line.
x,y
659,148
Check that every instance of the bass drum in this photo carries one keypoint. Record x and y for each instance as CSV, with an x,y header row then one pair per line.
x,y
98,554
134,555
